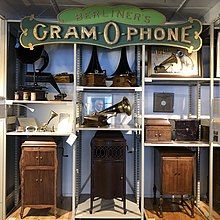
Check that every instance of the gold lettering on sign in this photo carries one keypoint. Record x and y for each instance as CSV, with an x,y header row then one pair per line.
x,y
131,32
144,32
172,35
106,31
71,32
159,33
185,34
54,31
36,30
91,32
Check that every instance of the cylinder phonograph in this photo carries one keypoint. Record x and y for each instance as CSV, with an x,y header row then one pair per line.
x,y
123,76
44,127
99,119
27,56
94,75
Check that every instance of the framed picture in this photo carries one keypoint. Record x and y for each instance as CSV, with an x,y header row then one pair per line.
x,y
163,102
96,102
173,62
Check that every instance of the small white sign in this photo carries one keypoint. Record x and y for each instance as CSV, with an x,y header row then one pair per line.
x,y
71,139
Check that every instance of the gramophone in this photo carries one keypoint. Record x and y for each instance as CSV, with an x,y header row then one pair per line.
x,y
123,76
162,67
99,119
94,75
44,127
27,56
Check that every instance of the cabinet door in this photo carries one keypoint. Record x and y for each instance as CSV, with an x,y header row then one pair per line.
x,y
30,157
46,157
31,187
47,187
108,179
185,175
169,175
151,135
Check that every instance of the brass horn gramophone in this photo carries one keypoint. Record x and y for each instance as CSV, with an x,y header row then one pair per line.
x,y
99,119
169,61
44,128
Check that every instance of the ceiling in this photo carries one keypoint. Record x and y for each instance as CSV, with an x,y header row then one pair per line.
x,y
176,10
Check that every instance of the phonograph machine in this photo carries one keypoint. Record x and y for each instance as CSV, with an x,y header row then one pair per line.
x,y
32,79
99,119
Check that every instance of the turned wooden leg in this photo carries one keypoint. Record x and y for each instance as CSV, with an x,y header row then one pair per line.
x,y
160,207
155,191
55,211
192,207
182,201
91,204
22,212
124,205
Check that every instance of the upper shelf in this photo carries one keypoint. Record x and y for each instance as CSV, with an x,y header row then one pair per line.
x,y
53,102
110,127
179,80
38,133
106,88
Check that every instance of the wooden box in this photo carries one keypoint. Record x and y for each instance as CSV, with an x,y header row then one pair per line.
x,y
157,130
94,79
187,130
108,166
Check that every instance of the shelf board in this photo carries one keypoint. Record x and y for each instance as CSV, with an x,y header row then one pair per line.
x,y
172,116
178,144
37,133
107,209
53,102
178,80
90,88
110,127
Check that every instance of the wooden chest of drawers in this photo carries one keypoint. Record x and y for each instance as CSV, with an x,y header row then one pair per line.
x,y
157,130
38,168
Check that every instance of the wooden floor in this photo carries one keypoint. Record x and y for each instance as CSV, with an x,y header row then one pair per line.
x,y
173,211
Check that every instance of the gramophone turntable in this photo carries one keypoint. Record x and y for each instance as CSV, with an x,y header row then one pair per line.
x,y
99,119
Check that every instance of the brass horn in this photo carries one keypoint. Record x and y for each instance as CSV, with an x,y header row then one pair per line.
x,y
53,114
161,68
100,118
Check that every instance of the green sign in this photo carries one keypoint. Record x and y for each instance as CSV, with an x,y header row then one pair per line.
x,y
110,32
99,14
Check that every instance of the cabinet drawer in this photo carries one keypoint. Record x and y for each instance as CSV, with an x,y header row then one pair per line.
x,y
38,157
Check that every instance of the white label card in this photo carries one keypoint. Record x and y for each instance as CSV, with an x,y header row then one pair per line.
x,y
71,139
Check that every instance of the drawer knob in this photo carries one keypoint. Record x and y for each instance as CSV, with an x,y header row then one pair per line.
x,y
121,177
41,158
36,180
156,135
41,180
37,158
160,135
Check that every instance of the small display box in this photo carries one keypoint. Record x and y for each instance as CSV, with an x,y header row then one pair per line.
x,y
108,166
157,130
187,130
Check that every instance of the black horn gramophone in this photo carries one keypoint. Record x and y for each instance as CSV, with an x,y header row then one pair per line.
x,y
94,75
99,119
123,76
27,56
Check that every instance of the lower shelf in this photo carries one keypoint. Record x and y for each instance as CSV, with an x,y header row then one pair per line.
x,y
109,209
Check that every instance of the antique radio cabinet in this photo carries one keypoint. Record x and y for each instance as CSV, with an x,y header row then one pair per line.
x,y
38,168
157,130
174,173
108,166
